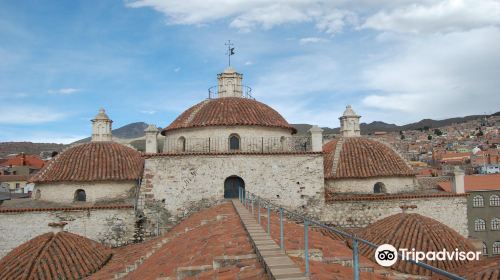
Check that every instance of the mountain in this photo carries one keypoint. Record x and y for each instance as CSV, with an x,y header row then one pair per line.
x,y
135,130
129,131
372,127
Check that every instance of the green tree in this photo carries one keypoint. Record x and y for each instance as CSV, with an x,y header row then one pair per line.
x,y
429,137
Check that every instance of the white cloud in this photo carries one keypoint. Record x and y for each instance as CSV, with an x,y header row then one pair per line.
x,y
148,112
248,62
64,91
438,75
177,69
27,114
246,15
312,40
437,16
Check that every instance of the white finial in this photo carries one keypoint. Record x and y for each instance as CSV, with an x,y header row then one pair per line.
x,y
151,133
101,127
349,123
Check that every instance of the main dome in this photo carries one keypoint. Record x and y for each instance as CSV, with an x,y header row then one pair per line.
x,y
359,157
410,230
94,161
229,111
61,255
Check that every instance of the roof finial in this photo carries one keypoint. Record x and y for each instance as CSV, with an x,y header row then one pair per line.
x,y
230,51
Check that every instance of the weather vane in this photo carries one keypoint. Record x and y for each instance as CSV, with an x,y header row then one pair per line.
x,y
230,51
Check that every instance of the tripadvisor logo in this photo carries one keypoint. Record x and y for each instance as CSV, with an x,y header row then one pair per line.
x,y
387,255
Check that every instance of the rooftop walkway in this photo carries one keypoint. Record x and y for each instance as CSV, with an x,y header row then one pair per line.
x,y
277,263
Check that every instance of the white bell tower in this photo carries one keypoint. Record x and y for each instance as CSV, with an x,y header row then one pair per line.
x,y
229,83
101,127
349,123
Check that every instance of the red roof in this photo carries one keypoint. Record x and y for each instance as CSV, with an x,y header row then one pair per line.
x,y
362,158
12,178
54,256
485,269
24,160
476,183
410,230
94,161
229,111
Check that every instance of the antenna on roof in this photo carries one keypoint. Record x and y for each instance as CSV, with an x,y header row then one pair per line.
x,y
230,51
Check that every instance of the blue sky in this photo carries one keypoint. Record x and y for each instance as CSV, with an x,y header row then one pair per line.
x,y
148,60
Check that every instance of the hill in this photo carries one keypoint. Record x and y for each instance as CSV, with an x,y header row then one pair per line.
x,y
9,148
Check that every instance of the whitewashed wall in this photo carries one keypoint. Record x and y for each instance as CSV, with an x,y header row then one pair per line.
x,y
95,191
220,134
392,185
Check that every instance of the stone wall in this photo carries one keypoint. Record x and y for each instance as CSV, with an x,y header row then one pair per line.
x,y
392,185
182,181
112,227
451,211
95,191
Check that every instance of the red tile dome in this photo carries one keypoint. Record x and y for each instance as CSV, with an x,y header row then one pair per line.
x,y
94,161
229,111
360,157
410,230
49,256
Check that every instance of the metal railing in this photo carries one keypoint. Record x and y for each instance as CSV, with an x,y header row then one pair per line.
x,y
245,144
249,199
246,92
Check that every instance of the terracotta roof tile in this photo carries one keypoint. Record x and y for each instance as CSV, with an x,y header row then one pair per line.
x,y
332,196
410,230
94,161
11,178
24,160
362,158
54,256
476,183
196,241
485,269
229,111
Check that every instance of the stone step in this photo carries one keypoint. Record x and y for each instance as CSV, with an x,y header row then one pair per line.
x,y
277,263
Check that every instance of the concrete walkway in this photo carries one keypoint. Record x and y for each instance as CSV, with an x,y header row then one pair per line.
x,y
277,263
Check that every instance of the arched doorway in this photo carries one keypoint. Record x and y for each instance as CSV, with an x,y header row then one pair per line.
x,y
231,186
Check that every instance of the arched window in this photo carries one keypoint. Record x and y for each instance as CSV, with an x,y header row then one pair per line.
x,y
479,225
80,195
494,200
495,224
38,194
181,143
282,143
234,142
379,187
496,248
485,249
478,201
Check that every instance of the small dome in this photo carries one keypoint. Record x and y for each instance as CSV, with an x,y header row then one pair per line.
x,y
349,112
362,158
229,111
60,255
101,115
410,230
94,161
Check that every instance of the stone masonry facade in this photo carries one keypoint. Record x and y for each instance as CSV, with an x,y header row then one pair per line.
x,y
113,227
451,211
178,181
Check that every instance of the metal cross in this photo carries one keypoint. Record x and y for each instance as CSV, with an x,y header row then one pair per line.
x,y
230,51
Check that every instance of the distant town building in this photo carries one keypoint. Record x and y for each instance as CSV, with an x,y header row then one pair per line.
x,y
483,209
